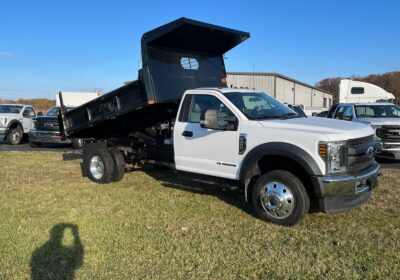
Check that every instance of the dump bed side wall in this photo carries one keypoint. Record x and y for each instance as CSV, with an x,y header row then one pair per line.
x,y
109,106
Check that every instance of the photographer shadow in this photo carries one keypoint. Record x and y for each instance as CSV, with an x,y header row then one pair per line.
x,y
54,260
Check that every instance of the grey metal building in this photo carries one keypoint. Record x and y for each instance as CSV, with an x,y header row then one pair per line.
x,y
283,88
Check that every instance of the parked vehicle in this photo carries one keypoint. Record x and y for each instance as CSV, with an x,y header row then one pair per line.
x,y
298,109
179,113
362,92
46,128
322,114
15,121
384,119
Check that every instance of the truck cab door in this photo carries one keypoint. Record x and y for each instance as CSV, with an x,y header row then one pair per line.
x,y
27,116
201,150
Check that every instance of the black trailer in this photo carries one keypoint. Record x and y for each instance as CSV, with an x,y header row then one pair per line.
x,y
183,54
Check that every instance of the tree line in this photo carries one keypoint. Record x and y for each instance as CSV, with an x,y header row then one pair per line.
x,y
41,104
389,81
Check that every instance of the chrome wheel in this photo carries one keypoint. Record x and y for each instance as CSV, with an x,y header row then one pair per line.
x,y
96,167
16,137
277,200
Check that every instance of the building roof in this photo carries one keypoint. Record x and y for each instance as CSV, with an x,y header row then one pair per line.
x,y
277,75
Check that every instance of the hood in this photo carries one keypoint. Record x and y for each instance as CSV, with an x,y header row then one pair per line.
x,y
380,121
44,117
8,115
333,130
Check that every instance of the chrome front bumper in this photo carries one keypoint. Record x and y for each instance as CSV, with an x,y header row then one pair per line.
x,y
342,193
46,137
387,149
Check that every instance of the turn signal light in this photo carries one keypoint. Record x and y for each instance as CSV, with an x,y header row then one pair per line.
x,y
323,150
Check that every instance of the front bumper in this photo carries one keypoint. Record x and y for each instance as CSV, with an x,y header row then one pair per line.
x,y
342,193
46,137
3,133
388,149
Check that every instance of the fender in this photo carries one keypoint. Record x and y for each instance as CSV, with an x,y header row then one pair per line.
x,y
249,167
14,123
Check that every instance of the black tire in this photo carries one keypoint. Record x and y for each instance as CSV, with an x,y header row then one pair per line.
x,y
280,197
104,157
119,164
35,144
14,136
77,143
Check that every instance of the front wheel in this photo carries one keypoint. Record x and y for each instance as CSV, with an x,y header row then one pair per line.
x,y
280,197
14,136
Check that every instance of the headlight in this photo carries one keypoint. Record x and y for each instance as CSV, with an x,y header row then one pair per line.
x,y
335,156
3,122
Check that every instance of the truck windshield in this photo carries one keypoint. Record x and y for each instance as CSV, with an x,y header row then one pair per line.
x,y
53,112
11,109
259,105
377,111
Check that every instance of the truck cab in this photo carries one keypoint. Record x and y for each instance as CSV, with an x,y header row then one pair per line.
x,y
15,122
384,118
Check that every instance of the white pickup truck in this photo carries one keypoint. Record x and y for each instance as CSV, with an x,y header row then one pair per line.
x,y
15,121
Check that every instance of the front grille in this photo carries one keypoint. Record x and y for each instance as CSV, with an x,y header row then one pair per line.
x,y
357,153
354,143
47,125
389,133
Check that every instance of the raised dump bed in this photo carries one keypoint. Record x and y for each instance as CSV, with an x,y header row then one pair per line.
x,y
183,54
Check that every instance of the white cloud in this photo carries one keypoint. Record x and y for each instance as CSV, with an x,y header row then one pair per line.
x,y
5,53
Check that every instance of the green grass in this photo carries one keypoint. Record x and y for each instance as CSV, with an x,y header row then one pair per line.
x,y
152,225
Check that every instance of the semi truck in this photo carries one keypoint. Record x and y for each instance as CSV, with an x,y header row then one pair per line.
x,y
179,113
361,92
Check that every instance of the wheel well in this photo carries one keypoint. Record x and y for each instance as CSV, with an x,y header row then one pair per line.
x,y
278,162
15,125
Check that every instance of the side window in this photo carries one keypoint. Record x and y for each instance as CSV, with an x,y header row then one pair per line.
x,y
357,90
201,103
340,112
28,112
348,113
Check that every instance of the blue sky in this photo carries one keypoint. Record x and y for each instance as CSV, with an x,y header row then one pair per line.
x,y
48,46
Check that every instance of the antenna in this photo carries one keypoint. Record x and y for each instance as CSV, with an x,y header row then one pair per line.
x,y
254,82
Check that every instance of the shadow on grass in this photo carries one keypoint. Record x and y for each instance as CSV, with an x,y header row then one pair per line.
x,y
224,191
54,260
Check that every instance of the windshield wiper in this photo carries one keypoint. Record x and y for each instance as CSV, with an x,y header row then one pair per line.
x,y
283,116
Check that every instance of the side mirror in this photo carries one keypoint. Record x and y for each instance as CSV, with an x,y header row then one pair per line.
x,y
213,119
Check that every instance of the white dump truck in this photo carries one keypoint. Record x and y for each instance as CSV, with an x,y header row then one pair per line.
x,y
179,113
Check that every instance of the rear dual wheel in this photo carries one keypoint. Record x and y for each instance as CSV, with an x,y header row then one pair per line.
x,y
105,166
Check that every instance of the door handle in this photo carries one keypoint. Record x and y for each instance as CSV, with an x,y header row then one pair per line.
x,y
187,133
